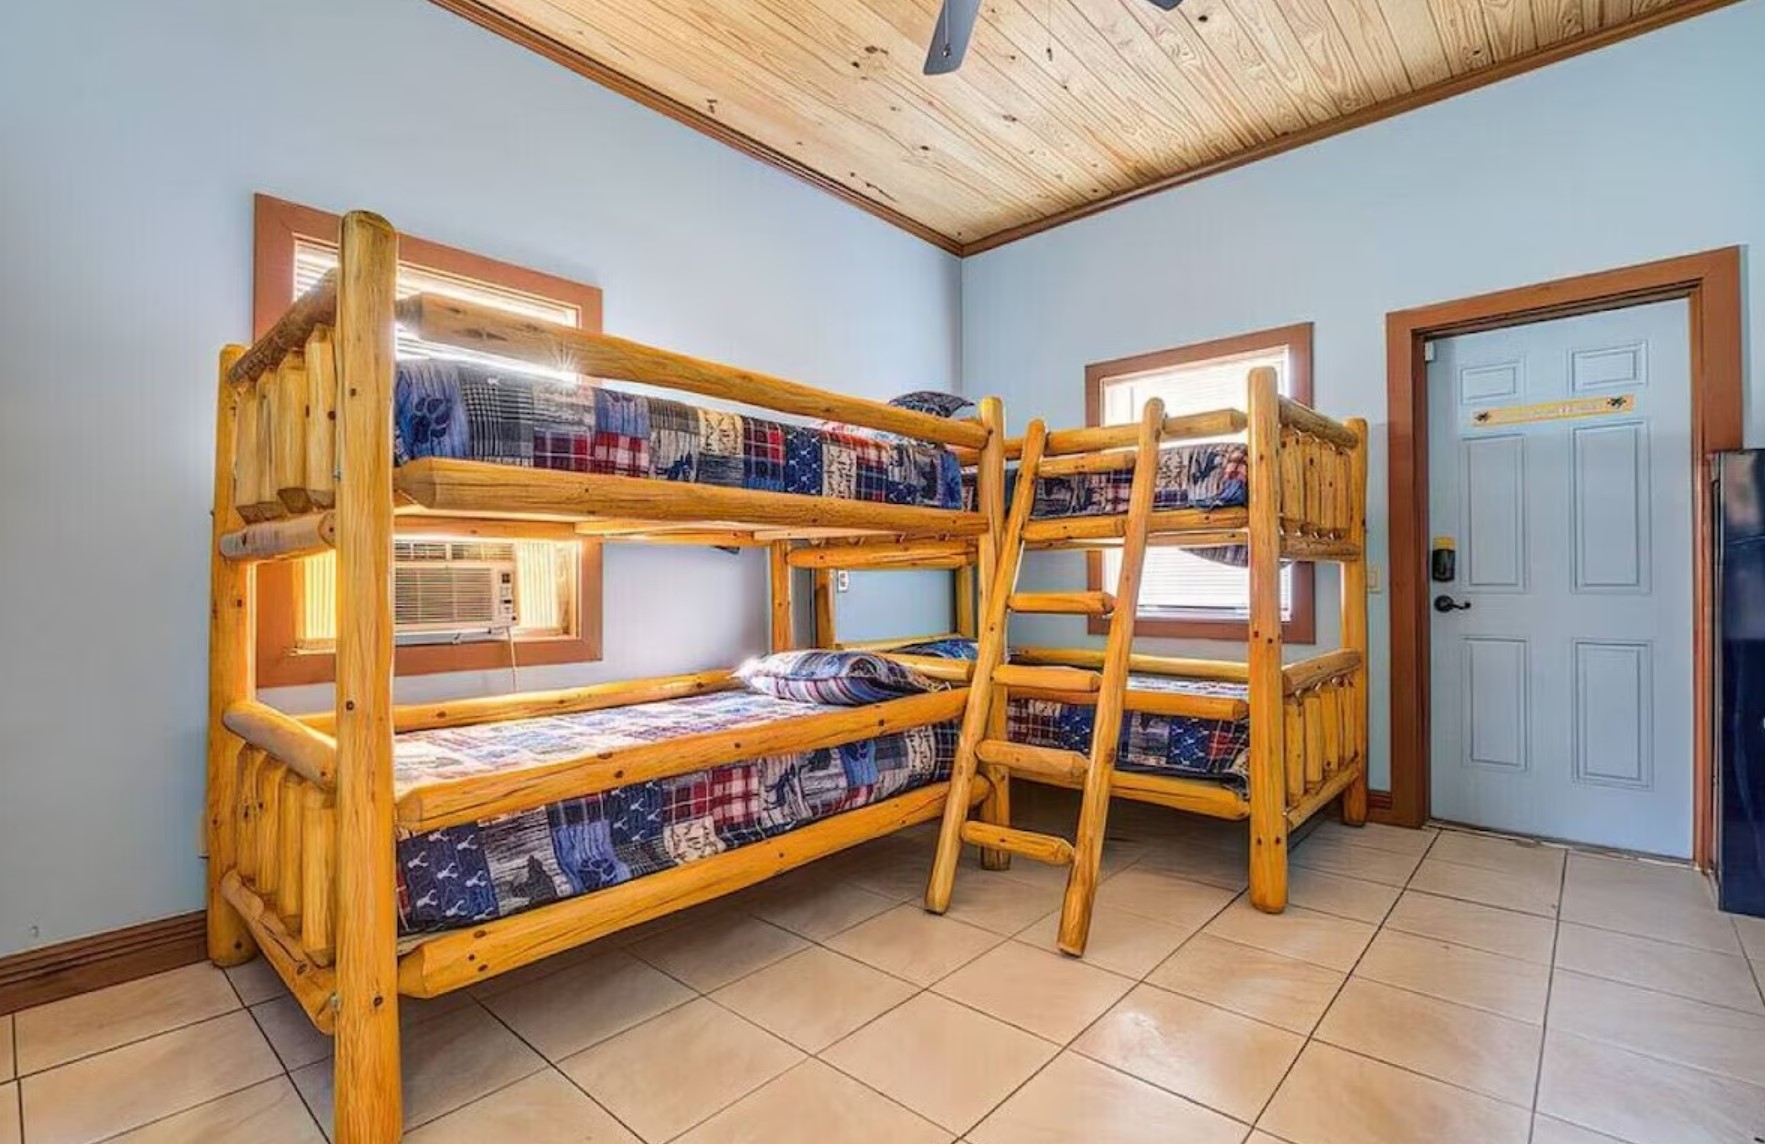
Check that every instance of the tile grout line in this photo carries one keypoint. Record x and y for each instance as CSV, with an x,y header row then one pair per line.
x,y
1550,985
19,1073
1311,1036
547,1064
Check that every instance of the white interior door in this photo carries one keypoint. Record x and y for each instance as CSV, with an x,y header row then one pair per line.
x,y
1561,683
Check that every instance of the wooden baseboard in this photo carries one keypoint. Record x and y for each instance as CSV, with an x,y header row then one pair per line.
x,y
38,976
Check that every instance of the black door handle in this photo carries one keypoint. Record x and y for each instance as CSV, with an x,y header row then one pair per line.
x,y
1445,604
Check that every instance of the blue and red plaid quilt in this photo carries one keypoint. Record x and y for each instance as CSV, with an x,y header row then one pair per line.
x,y
1150,744
468,412
473,873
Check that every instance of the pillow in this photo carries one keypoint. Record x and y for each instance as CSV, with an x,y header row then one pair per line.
x,y
932,401
929,401
843,678
952,648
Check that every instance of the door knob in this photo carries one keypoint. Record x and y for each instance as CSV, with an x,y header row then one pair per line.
x,y
1445,604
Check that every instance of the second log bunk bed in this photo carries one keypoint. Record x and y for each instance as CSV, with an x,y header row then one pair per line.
x,y
1279,741
378,850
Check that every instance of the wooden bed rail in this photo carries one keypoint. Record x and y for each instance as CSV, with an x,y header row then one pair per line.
x,y
902,555
309,753
453,322
460,957
537,704
288,539
443,804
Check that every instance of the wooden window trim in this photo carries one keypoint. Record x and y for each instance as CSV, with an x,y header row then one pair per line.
x,y
1711,282
280,661
1301,626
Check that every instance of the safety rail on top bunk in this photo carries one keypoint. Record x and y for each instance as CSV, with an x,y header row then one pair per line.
x,y
1316,457
286,444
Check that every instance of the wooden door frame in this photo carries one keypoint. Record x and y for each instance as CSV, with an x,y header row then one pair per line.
x,y
1710,282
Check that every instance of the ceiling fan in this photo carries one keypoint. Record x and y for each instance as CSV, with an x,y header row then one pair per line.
x,y
956,24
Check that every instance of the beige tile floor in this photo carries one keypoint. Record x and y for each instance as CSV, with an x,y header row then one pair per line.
x,y
1424,986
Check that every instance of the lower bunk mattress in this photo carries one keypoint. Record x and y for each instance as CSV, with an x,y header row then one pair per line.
x,y
1212,749
461,875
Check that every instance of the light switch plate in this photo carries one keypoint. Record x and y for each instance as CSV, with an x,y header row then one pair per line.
x,y
1375,580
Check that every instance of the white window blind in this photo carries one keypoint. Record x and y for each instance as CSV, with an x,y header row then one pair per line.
x,y
545,570
1177,584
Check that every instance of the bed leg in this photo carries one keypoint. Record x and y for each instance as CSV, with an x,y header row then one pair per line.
x,y
230,659
996,807
1354,625
369,1101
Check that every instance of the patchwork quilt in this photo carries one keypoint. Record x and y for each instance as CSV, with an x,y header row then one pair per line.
x,y
476,872
1213,474
469,412
1150,744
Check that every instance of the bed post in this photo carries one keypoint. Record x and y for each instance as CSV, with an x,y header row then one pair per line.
x,y
368,1101
231,677
779,578
826,634
1268,790
989,484
1354,624
963,611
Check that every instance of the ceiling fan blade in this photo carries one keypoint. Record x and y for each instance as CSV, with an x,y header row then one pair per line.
x,y
950,36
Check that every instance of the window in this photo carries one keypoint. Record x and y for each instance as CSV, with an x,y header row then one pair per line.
x,y
475,597
1183,595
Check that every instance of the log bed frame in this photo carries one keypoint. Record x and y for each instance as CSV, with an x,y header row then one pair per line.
x,y
1308,719
302,819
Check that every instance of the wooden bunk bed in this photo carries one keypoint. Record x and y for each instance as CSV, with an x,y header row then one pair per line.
x,y
1303,498
308,818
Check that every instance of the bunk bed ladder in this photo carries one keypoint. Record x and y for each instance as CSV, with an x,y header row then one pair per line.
x,y
983,739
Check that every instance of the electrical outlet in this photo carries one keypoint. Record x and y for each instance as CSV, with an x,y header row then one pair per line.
x,y
1375,581
842,580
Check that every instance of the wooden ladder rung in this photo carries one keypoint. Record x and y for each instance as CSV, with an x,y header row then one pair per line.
x,y
1079,464
1034,762
1064,603
1037,847
1038,678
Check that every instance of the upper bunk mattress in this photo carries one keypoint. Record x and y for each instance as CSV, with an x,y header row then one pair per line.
x,y
461,875
468,412
1213,474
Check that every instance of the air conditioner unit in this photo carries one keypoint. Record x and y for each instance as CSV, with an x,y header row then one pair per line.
x,y
450,591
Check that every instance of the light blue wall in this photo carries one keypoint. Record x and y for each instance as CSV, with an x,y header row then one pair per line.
x,y
1645,150
132,137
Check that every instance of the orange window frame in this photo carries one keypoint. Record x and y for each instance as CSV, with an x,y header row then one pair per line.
x,y
278,227
1301,626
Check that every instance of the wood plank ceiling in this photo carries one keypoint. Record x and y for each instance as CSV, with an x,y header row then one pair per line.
x,y
1062,105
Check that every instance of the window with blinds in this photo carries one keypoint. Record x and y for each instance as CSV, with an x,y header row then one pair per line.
x,y
1177,584
545,571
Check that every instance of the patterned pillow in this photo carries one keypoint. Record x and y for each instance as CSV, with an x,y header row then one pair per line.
x,y
843,678
932,401
954,648
929,401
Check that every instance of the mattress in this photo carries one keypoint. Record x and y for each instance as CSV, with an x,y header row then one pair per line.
x,y
472,873
1210,475
1213,749
469,412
